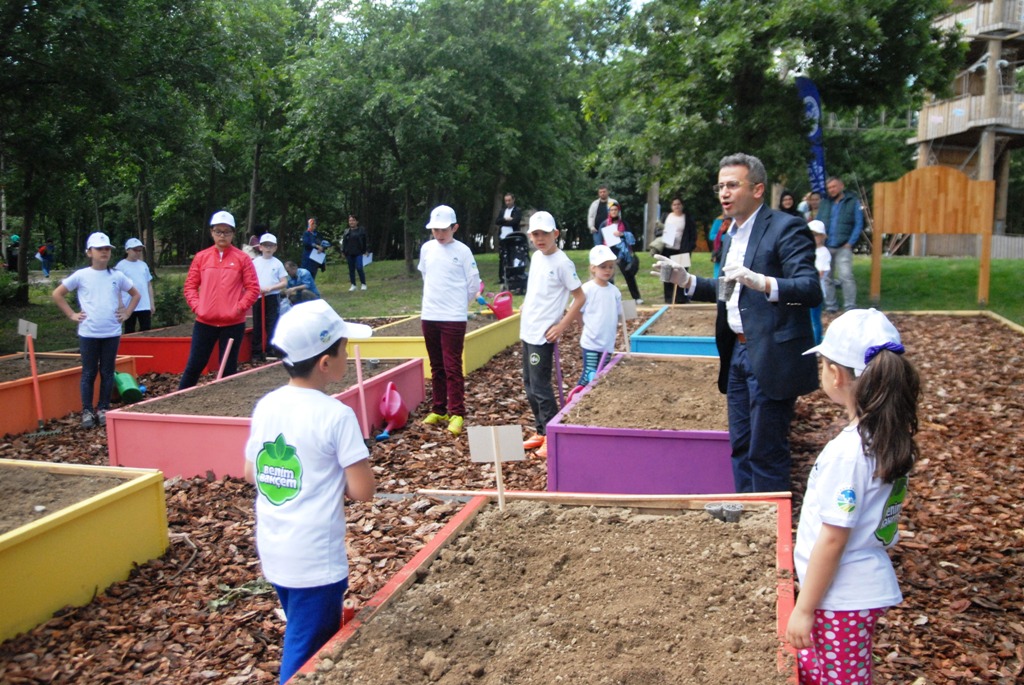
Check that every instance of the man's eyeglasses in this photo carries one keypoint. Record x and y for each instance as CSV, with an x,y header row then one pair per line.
x,y
729,185
223,233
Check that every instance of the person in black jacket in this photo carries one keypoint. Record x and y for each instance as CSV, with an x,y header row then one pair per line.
x,y
354,245
508,221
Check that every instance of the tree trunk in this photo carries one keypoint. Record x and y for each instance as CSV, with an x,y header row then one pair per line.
x,y
254,185
28,219
407,240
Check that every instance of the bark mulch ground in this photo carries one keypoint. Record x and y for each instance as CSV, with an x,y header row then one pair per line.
x,y
202,614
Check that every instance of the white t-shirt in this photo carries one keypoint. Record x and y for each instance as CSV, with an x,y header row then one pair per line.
x,y
138,272
842,491
301,441
506,230
822,259
450,280
269,271
99,296
552,278
673,233
601,312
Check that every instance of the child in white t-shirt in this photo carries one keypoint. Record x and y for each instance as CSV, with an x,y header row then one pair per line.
x,y
273,278
305,453
600,313
850,513
823,265
450,282
99,323
543,319
135,268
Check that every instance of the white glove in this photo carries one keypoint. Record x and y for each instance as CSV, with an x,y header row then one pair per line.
x,y
669,271
750,279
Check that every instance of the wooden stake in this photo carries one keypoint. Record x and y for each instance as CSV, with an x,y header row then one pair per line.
x,y
362,393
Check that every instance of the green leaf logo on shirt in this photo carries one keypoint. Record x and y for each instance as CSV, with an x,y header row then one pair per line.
x,y
887,527
278,471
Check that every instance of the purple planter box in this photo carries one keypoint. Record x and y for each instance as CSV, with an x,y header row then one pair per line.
x,y
188,446
636,461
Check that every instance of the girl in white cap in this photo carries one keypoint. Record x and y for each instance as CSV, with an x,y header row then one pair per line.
x,y
99,323
855,492
600,313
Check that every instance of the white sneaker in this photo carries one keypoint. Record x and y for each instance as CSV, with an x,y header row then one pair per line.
x,y
362,287
639,301
351,288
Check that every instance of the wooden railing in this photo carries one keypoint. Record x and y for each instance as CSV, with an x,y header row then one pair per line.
x,y
950,117
983,18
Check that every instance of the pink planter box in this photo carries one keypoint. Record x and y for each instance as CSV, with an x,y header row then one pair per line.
x,y
187,446
636,461
170,354
59,391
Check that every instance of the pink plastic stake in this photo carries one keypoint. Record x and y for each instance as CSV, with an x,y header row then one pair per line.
x,y
558,377
362,393
263,323
224,360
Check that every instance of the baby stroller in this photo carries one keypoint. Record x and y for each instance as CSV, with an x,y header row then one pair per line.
x,y
513,257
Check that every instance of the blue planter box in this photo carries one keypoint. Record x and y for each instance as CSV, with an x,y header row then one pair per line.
x,y
701,346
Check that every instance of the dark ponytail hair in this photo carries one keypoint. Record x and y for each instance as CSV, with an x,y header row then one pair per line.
x,y
887,394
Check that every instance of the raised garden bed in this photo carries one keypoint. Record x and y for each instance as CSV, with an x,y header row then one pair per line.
x,y
60,376
592,590
64,555
203,429
644,426
485,337
682,329
165,350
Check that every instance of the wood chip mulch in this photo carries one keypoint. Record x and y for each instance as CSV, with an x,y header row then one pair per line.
x,y
203,614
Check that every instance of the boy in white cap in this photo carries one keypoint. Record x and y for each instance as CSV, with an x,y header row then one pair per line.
x,y
305,454
450,282
273,279
823,265
99,323
601,311
543,319
220,287
134,267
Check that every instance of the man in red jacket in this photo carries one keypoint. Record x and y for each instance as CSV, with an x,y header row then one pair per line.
x,y
220,288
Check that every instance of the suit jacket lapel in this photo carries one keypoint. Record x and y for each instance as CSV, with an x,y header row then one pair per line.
x,y
757,232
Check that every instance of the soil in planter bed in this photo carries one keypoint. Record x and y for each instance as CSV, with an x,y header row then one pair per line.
x,y
16,369
655,395
25,489
682,321
599,595
413,328
237,395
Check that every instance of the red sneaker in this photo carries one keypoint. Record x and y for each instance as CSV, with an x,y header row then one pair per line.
x,y
533,442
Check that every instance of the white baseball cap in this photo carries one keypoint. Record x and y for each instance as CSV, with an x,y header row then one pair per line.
x,y
542,221
97,239
816,226
268,238
309,328
133,243
222,217
442,216
854,338
599,254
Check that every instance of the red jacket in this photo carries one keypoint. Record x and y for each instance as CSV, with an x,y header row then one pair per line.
x,y
220,290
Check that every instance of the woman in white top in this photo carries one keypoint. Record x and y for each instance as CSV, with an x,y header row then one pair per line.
x,y
680,237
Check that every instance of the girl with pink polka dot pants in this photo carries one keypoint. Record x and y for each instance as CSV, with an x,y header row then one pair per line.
x,y
855,492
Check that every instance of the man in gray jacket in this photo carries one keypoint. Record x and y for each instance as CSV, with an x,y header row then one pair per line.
x,y
844,221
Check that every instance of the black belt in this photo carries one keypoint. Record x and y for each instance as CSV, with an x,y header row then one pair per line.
x,y
742,338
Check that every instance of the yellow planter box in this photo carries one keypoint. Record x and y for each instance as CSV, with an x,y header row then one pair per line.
x,y
481,344
69,556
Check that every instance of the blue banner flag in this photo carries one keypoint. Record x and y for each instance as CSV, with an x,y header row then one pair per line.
x,y
808,93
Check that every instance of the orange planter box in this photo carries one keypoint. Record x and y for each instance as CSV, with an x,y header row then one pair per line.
x,y
170,354
187,446
59,391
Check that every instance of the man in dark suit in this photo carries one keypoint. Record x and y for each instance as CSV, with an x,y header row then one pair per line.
x,y
507,221
768,288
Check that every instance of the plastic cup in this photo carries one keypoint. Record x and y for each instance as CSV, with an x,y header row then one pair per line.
x,y
725,289
666,272
715,510
732,512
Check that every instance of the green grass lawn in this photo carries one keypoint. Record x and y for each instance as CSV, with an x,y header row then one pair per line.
x,y
908,283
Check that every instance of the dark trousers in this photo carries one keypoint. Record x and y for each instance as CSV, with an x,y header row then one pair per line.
x,y
314,616
144,319
272,304
758,430
444,341
630,276
537,362
204,337
98,354
355,265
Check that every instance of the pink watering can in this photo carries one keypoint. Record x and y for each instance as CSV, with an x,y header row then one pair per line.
x,y
392,408
500,304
